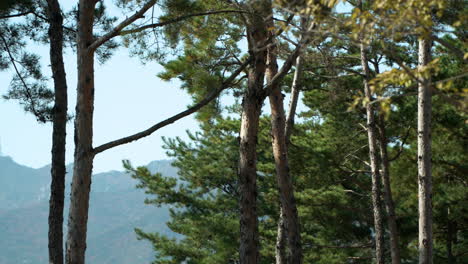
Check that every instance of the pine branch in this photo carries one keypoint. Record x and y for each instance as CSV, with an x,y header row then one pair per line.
x,y
452,48
116,31
29,96
15,15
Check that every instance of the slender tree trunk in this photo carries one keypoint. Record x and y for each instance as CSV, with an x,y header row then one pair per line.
x,y
281,255
424,158
251,109
451,231
57,186
295,90
83,163
372,136
389,203
280,152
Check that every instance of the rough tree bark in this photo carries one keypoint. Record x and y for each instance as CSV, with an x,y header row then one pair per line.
x,y
251,109
280,153
424,157
372,139
249,241
57,186
83,162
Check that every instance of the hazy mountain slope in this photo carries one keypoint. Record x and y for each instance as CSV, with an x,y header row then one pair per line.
x,y
19,185
116,208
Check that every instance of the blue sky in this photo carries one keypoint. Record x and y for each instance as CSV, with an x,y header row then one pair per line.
x,y
129,98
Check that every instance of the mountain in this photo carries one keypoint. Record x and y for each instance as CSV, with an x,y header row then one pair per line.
x,y
116,208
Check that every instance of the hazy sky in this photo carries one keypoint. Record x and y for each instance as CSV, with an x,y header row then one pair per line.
x,y
129,98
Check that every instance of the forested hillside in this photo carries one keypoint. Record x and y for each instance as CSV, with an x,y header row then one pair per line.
x,y
328,131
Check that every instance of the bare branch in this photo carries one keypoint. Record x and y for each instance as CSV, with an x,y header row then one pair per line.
x,y
402,145
210,97
118,30
115,31
15,15
177,19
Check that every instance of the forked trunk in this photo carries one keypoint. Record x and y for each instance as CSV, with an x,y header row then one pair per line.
x,y
281,239
280,153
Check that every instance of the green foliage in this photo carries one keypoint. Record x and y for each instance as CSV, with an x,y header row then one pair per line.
x,y
328,152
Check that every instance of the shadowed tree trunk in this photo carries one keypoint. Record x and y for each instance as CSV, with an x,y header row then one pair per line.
x,y
424,158
57,186
388,198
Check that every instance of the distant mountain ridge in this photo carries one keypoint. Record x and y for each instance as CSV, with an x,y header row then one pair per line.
x,y
116,208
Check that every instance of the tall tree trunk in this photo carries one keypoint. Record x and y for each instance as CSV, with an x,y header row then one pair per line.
x,y
83,162
280,153
389,203
249,241
424,158
251,109
57,186
371,134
